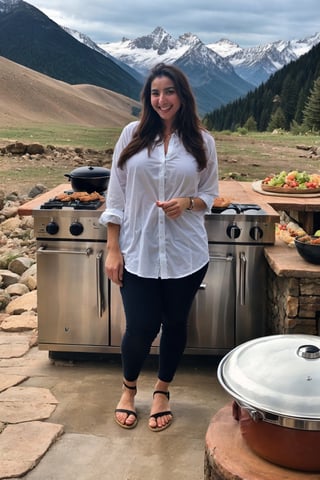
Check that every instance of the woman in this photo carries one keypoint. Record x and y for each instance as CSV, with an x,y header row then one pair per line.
x,y
164,177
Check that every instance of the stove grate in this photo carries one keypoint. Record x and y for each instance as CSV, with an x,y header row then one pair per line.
x,y
73,204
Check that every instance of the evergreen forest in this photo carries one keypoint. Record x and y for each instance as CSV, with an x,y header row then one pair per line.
x,y
288,100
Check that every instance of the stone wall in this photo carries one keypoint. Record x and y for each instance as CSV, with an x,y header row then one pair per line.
x,y
294,305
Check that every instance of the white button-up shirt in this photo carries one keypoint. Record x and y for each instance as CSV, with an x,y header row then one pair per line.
x,y
153,245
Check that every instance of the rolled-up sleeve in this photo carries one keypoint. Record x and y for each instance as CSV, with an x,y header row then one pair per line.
x,y
115,201
208,188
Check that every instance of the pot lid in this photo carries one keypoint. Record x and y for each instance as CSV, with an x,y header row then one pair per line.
x,y
278,373
89,172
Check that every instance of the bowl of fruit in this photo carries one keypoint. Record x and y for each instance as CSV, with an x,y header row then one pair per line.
x,y
293,182
308,246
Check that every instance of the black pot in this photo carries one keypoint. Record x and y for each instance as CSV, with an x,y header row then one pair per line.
x,y
308,251
89,179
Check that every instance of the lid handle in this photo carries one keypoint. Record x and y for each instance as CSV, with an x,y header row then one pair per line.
x,y
309,351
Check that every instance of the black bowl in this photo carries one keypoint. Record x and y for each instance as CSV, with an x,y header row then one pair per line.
x,y
310,252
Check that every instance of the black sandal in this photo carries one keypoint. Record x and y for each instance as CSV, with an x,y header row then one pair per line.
x,y
128,412
161,414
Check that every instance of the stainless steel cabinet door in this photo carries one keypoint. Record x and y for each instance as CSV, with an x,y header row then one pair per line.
x,y
212,317
72,294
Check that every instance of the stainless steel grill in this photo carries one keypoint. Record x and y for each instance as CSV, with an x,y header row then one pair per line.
x,y
79,310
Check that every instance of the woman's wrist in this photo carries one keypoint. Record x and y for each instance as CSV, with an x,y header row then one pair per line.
x,y
191,203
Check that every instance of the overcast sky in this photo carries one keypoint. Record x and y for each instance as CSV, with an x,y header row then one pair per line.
x,y
246,22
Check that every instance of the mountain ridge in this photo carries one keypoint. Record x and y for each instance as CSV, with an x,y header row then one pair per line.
x,y
252,64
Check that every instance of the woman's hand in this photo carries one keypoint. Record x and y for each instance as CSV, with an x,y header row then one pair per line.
x,y
114,260
175,207
114,266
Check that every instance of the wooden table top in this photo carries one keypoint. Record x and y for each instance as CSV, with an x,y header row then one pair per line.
x,y
241,192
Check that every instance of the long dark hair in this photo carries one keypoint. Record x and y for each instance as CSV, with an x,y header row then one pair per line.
x,y
187,123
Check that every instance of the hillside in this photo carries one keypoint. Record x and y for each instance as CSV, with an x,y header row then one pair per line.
x,y
28,96
30,38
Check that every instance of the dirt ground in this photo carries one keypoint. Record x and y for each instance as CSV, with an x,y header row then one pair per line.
x,y
243,158
20,173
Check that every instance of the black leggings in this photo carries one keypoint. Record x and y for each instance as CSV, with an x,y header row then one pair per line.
x,y
150,304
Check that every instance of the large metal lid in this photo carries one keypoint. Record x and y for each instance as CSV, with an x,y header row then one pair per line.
x,y
279,374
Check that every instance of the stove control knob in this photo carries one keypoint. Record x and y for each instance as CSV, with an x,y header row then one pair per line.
x,y
76,228
52,228
256,232
233,231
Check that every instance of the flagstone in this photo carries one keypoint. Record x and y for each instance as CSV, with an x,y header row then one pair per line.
x,y
7,381
23,445
13,345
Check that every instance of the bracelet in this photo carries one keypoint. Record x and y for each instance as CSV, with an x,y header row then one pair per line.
x,y
191,204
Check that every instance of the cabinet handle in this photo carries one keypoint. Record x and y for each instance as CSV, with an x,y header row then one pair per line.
x,y
99,286
87,251
242,279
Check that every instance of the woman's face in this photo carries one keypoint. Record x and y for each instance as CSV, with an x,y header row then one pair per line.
x,y
164,98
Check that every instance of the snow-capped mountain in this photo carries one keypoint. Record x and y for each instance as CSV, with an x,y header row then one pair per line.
x,y
81,37
256,64
219,72
144,52
213,78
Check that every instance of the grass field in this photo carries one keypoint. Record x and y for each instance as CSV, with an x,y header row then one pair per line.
x,y
243,157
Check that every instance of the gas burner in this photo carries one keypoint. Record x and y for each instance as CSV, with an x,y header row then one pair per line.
x,y
239,208
73,204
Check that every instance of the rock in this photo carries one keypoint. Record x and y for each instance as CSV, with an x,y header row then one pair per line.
x,y
35,149
23,304
9,380
14,345
17,148
19,323
19,453
24,404
20,265
10,209
17,289
8,278
29,277
4,299
37,190
2,199
9,225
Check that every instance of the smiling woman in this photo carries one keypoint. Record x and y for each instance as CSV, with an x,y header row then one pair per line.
x,y
164,178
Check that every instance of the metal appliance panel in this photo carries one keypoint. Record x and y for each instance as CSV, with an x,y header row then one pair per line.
x,y
251,295
73,303
212,317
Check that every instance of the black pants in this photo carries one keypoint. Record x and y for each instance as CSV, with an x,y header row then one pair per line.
x,y
151,304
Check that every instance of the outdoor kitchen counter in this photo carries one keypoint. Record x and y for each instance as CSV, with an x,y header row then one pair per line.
x,y
303,209
240,192
283,260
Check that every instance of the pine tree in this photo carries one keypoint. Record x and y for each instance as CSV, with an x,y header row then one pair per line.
x,y
311,112
277,120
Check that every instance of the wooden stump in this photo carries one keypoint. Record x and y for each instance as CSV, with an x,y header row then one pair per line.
x,y
227,456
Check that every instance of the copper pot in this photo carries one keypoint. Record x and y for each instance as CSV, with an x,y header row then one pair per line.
x,y
275,383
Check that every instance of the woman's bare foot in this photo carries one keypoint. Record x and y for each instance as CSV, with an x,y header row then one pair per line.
x,y
125,414
160,415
